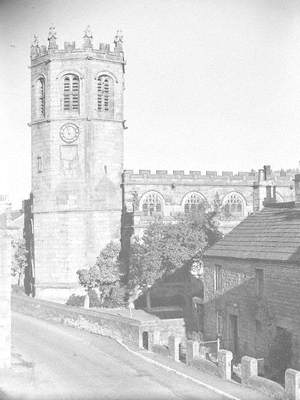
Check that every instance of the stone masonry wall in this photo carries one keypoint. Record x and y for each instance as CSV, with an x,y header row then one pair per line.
x,y
102,322
77,199
5,292
174,187
76,239
258,317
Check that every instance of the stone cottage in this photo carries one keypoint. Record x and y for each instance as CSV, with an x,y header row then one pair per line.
x,y
251,285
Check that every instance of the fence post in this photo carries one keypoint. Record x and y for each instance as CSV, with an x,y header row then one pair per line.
x,y
248,368
292,384
173,344
192,350
224,364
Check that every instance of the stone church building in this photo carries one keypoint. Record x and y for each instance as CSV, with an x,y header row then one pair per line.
x,y
81,196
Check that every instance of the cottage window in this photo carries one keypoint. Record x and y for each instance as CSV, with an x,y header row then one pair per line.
x,y
259,282
194,203
218,281
234,205
40,95
152,204
105,94
71,96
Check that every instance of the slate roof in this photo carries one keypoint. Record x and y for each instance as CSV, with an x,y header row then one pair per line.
x,y
271,234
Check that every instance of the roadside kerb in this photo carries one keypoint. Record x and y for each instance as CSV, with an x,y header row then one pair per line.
x,y
182,374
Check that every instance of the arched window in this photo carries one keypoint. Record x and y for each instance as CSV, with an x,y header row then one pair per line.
x,y
105,93
193,203
40,95
152,204
71,93
234,205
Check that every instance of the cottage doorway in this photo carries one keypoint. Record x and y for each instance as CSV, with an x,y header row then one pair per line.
x,y
234,338
145,340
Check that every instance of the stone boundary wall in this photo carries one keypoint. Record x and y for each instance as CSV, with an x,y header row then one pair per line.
x,y
130,332
5,304
249,377
126,330
196,357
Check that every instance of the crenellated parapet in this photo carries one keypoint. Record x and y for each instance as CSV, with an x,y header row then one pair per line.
x,y
282,177
147,194
102,51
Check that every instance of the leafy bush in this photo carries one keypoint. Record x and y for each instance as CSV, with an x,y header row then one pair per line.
x,y
75,301
166,248
104,275
116,300
78,300
94,299
19,261
17,289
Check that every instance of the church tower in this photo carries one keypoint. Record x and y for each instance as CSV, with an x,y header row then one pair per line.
x,y
77,157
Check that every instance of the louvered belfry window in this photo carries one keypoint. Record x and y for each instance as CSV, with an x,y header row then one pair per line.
x,y
71,93
41,97
105,94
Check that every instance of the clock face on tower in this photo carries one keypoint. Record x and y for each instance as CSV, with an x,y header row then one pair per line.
x,y
69,133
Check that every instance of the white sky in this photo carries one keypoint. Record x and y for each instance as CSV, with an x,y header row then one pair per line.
x,y
210,84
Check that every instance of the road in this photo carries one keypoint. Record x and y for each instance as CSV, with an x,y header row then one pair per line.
x,y
71,364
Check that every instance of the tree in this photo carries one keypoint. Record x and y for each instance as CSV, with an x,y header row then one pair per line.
x,y
166,247
104,275
19,261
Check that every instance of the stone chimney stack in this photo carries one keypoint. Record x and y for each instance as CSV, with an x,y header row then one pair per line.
x,y
264,190
270,195
267,172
